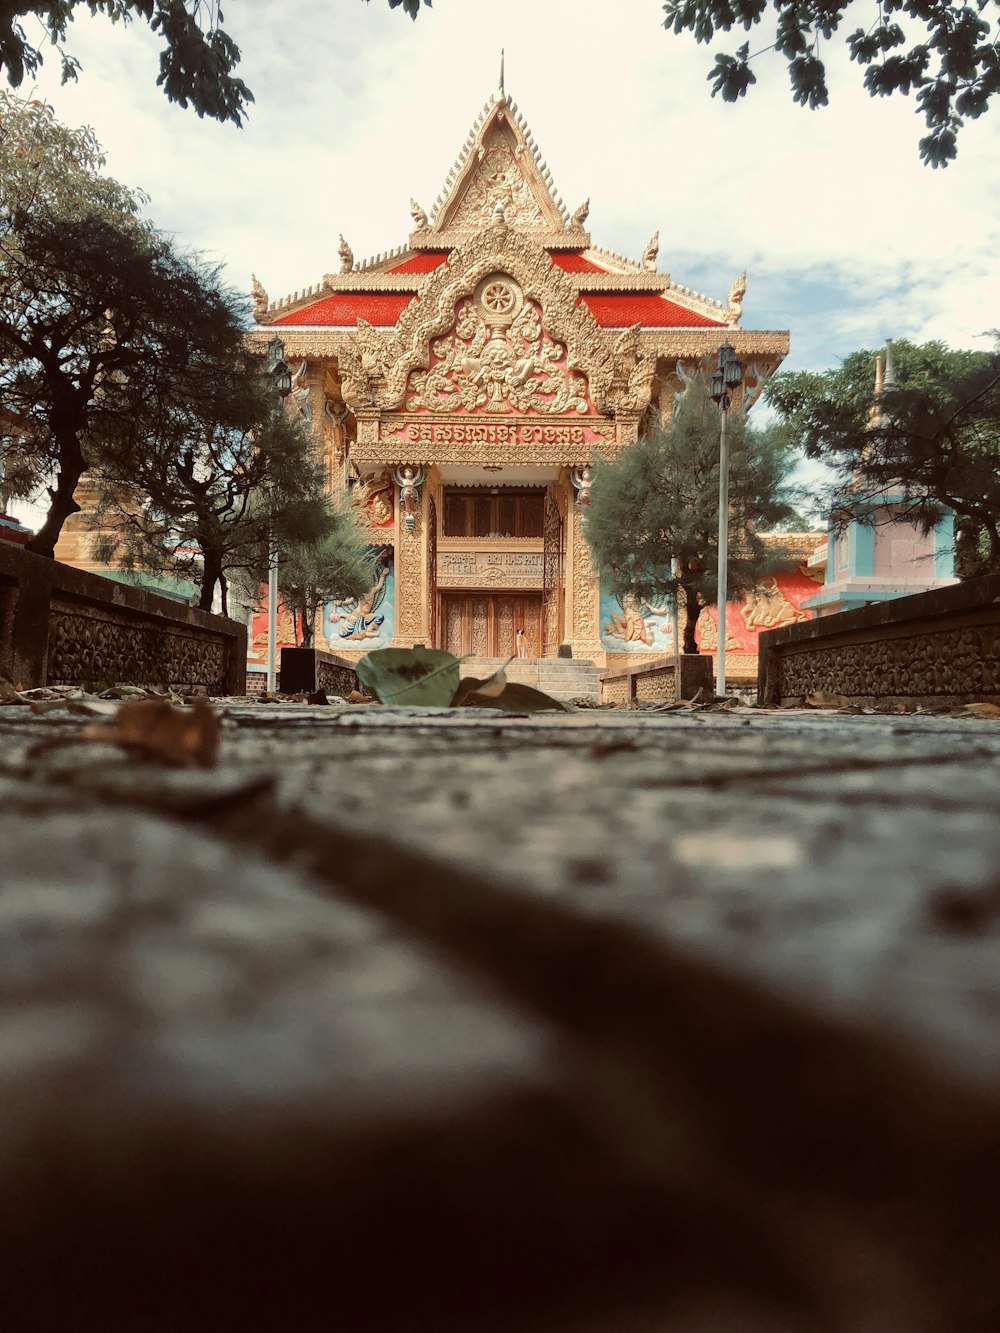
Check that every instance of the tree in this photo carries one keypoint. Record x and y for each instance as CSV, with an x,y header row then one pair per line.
x,y
102,328
200,484
50,170
49,174
196,63
947,53
931,441
334,568
658,503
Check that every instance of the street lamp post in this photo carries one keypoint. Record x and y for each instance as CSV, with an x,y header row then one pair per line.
x,y
728,376
283,386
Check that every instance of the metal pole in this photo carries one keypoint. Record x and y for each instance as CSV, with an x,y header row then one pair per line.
x,y
675,569
272,613
723,581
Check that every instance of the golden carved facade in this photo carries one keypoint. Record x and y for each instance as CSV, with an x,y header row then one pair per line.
x,y
497,352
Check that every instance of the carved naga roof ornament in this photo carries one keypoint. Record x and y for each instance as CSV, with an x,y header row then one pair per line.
x,y
650,252
258,297
581,214
734,310
418,215
633,372
346,255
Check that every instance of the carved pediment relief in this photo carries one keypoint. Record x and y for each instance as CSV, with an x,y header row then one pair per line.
x,y
499,169
497,181
498,357
497,329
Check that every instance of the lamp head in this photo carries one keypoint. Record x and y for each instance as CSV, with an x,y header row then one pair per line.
x,y
275,352
282,379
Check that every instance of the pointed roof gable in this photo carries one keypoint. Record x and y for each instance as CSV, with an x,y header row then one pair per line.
x,y
499,166
500,176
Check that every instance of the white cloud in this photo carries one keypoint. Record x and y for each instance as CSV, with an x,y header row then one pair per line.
x,y
846,236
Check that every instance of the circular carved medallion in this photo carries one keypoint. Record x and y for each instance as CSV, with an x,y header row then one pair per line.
x,y
499,299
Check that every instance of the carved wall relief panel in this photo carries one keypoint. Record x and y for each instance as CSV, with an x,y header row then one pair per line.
x,y
372,499
497,279
92,643
498,357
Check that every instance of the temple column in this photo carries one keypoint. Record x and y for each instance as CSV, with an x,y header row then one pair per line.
x,y
411,578
412,618
582,592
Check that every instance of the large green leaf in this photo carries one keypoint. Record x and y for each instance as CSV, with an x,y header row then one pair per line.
x,y
418,677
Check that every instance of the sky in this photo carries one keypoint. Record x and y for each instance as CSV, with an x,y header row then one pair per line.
x,y
847,238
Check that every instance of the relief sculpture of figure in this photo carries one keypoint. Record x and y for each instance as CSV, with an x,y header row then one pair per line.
x,y
409,481
300,392
767,607
630,624
364,620
734,307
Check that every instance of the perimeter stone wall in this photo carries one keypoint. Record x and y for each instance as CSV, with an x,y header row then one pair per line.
x,y
655,681
65,626
939,647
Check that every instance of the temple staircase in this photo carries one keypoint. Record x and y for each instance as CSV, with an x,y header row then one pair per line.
x,y
562,677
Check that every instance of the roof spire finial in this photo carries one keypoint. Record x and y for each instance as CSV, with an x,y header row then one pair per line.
x,y
503,93
890,374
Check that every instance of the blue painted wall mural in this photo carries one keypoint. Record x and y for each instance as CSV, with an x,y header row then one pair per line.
x,y
631,626
370,621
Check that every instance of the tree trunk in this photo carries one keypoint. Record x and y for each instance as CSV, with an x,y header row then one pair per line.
x,y
692,610
72,466
308,624
211,573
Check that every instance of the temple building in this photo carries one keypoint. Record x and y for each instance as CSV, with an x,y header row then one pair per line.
x,y
881,552
463,388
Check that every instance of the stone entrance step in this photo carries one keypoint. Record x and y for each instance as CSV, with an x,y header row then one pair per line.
x,y
563,678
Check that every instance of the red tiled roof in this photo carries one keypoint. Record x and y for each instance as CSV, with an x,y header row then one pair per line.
x,y
573,263
614,310
346,308
422,263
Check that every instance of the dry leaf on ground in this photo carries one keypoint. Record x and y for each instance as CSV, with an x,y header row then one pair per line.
x,y
980,710
824,699
155,729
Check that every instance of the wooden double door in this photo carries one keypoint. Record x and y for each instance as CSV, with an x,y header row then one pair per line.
x,y
484,624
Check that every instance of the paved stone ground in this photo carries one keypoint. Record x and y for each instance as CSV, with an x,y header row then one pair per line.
x,y
597,1023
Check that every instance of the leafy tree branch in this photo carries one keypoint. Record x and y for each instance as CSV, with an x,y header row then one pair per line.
x,y
946,54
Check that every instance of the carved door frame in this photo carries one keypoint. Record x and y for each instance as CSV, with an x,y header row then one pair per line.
x,y
432,567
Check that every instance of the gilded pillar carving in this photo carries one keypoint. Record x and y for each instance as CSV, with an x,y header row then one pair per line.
x,y
411,582
585,592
